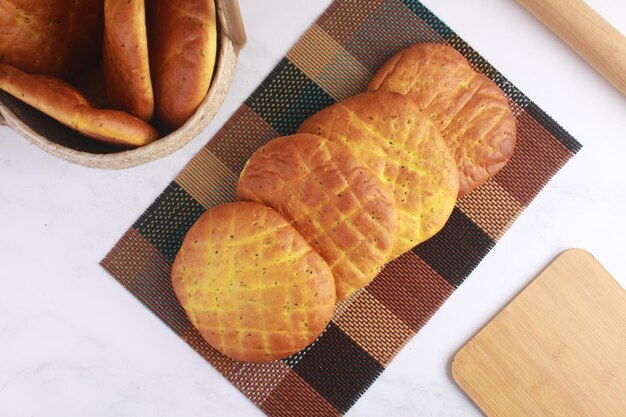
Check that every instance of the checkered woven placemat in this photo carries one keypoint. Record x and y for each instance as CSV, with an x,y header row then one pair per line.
x,y
336,58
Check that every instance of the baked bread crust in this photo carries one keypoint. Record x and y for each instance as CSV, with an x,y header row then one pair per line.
x,y
51,37
252,286
61,101
388,134
183,44
338,205
470,110
125,58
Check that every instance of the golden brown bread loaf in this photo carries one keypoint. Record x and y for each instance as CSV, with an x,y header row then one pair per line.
x,y
340,207
403,147
251,284
183,44
470,110
52,37
125,58
64,103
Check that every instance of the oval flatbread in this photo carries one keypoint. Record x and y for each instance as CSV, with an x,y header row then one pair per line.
x,y
405,150
125,58
252,286
183,50
51,37
61,101
470,110
338,205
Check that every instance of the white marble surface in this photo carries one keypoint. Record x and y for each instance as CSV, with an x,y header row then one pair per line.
x,y
73,342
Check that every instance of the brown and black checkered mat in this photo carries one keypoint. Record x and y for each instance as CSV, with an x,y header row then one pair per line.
x,y
334,59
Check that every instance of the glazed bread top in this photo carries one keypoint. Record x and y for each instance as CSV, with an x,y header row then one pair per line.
x,y
252,286
470,110
51,37
183,51
125,58
61,101
389,134
338,205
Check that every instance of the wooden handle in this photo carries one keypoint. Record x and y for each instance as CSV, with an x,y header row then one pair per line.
x,y
234,24
585,31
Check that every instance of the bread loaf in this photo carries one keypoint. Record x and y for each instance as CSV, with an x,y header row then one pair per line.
x,y
251,284
389,134
51,37
125,58
64,103
337,204
470,110
183,50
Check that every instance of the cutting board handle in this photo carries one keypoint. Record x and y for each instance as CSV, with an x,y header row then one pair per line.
x,y
585,31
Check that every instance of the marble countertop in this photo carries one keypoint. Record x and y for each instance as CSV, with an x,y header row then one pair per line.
x,y
73,342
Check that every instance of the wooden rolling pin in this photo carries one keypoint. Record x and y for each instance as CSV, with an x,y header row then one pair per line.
x,y
585,31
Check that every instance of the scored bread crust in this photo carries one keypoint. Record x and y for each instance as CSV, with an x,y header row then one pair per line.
x,y
64,103
338,205
183,51
405,150
51,37
251,285
471,111
125,58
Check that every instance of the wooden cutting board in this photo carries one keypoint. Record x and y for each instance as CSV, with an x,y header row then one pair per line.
x,y
558,349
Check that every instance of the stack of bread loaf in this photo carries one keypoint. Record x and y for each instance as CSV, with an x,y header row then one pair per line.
x,y
157,60
322,211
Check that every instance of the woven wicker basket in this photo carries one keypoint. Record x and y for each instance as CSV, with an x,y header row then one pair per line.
x,y
65,143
